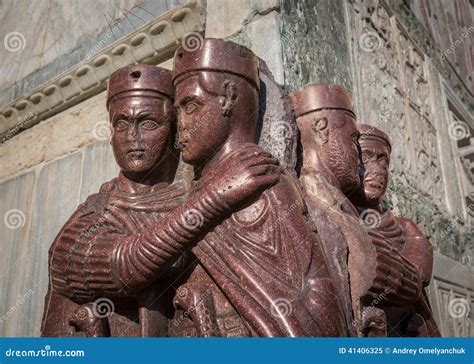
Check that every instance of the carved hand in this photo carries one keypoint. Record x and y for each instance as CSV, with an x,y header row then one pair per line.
x,y
401,279
244,175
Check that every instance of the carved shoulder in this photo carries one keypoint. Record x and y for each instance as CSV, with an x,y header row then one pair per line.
x,y
418,249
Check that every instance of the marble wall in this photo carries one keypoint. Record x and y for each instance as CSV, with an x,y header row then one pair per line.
x,y
34,207
60,34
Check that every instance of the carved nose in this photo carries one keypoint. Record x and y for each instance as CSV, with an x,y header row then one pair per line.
x,y
134,133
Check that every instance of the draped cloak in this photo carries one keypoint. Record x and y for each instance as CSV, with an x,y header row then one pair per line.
x,y
345,241
96,226
412,317
271,266
260,258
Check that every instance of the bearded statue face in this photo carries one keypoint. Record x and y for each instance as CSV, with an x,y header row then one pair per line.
x,y
337,139
375,157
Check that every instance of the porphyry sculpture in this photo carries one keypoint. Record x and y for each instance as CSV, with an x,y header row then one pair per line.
x,y
263,267
132,261
329,168
407,308
113,264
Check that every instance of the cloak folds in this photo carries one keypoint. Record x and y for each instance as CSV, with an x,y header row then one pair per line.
x,y
80,272
271,267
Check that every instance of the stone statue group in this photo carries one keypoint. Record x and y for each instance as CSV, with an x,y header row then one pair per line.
x,y
245,248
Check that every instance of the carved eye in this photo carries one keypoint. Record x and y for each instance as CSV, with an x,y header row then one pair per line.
x,y
190,107
384,161
149,125
121,125
368,157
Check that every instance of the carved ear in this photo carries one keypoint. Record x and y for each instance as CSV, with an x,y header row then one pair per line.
x,y
228,101
320,129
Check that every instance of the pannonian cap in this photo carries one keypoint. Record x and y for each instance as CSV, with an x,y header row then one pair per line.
x,y
321,96
217,55
371,132
140,79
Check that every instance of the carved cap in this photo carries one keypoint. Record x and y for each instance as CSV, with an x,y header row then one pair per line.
x,y
140,79
220,56
371,132
321,96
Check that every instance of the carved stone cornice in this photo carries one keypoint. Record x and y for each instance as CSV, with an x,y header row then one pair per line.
x,y
154,42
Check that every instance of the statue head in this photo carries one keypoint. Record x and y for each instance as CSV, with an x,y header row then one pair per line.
x,y
216,98
327,124
140,106
375,151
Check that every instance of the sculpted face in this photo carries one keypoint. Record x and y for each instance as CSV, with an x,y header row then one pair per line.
x,y
203,126
142,133
375,167
337,136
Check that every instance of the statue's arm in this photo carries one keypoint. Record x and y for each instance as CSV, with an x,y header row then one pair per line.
x,y
140,259
108,264
418,249
397,279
